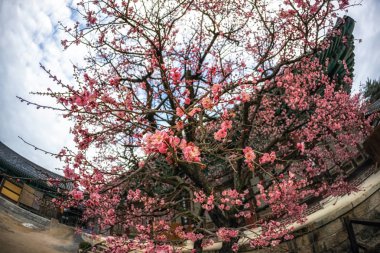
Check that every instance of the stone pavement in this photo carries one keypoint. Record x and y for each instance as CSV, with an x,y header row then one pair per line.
x,y
22,231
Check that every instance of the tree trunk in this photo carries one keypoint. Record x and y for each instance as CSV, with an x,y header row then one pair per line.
x,y
227,246
198,246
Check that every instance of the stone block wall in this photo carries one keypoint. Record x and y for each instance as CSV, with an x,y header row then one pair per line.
x,y
22,215
330,235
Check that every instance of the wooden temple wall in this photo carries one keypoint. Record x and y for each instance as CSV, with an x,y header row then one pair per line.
x,y
28,197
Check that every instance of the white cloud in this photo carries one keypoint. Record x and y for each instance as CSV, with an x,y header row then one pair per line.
x,y
367,52
30,35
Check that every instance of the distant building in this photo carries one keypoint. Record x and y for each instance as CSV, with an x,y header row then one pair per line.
x,y
29,185
372,109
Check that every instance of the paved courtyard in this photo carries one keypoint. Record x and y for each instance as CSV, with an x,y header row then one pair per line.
x,y
18,235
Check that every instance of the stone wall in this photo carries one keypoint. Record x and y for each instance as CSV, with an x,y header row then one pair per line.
x,y
22,215
330,235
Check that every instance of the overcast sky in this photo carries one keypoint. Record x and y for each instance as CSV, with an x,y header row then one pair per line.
x,y
29,35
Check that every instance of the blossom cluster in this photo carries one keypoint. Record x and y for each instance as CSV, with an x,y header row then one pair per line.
x,y
272,235
225,234
226,200
250,156
282,196
192,236
268,157
164,143
222,132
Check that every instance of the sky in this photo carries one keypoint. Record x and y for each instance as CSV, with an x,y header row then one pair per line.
x,y
30,35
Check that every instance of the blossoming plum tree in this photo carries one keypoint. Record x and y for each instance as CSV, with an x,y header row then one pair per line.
x,y
193,116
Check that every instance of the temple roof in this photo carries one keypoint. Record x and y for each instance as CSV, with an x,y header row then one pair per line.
x,y
374,107
15,165
340,52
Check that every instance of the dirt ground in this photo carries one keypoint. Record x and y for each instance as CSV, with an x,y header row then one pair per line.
x,y
18,237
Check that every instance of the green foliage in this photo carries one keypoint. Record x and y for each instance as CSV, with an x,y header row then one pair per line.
x,y
372,90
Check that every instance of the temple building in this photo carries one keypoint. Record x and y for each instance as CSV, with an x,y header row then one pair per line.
x,y
29,185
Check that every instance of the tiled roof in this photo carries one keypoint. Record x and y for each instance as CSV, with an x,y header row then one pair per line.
x,y
16,165
374,107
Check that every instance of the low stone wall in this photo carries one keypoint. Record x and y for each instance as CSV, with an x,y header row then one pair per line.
x,y
327,233
22,215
